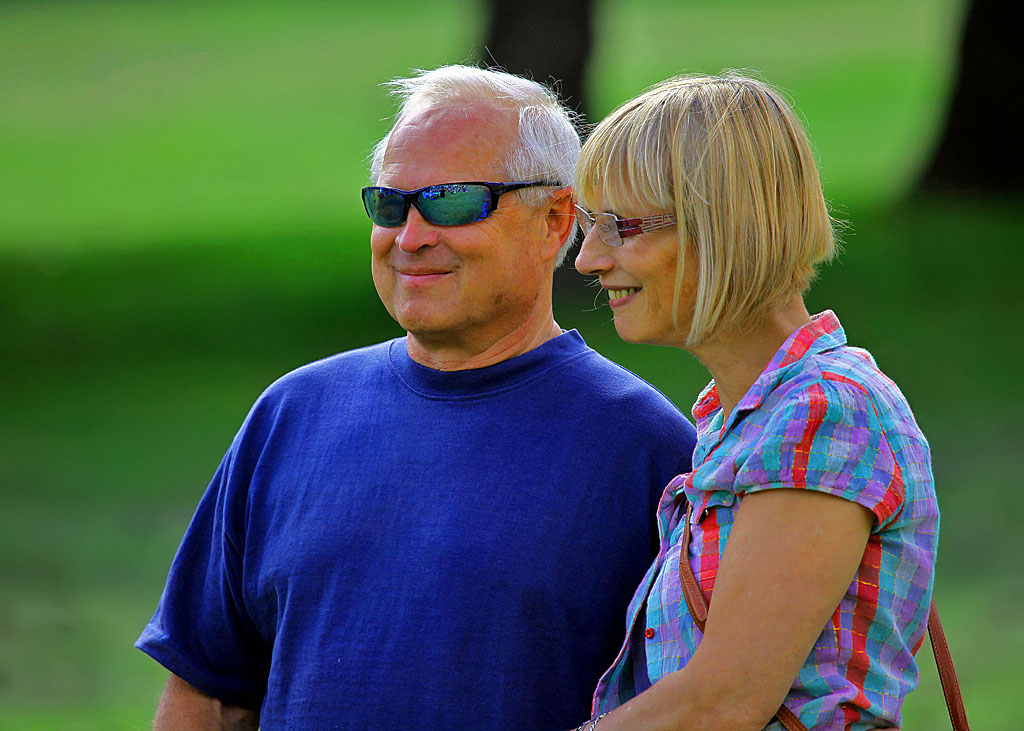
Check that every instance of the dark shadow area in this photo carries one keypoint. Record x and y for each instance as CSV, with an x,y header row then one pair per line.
x,y
546,41
226,298
980,149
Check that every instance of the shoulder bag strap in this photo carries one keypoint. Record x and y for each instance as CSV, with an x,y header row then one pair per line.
x,y
947,673
698,606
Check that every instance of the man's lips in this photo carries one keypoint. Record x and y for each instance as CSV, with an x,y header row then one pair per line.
x,y
414,277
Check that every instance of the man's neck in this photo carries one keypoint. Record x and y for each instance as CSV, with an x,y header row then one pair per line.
x,y
458,355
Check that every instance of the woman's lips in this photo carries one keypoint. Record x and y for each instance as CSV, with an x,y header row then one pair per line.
x,y
618,296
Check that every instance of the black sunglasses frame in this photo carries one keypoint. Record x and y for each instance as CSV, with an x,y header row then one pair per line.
x,y
413,197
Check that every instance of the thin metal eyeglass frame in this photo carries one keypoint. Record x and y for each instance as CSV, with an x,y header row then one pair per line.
x,y
624,227
489,205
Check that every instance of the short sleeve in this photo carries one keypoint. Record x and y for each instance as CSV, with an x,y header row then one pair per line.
x,y
826,436
201,630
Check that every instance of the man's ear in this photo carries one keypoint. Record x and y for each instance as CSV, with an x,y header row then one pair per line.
x,y
558,221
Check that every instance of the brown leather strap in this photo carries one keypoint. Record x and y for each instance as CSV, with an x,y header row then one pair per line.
x,y
692,592
947,673
698,606
789,720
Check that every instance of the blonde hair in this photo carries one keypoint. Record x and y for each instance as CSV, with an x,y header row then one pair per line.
x,y
728,155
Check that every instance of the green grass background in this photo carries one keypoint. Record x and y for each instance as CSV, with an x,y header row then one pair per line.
x,y
180,224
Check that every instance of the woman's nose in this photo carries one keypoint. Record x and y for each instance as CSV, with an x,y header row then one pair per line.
x,y
594,257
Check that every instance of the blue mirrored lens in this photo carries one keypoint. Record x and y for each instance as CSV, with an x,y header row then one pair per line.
x,y
384,206
454,204
449,204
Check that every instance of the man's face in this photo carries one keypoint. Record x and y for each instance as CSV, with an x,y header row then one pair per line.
x,y
458,286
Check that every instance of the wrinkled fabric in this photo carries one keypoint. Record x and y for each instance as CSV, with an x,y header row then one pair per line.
x,y
823,417
390,546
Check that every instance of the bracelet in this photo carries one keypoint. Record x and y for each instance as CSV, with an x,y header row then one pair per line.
x,y
591,724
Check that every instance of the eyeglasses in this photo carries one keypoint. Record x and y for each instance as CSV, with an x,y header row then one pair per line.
x,y
613,229
447,204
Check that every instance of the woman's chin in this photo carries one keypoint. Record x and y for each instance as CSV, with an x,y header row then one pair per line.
x,y
632,333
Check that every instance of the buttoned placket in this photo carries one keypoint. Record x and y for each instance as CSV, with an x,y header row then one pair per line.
x,y
669,512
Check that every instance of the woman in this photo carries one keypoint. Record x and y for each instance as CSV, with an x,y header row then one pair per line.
x,y
813,520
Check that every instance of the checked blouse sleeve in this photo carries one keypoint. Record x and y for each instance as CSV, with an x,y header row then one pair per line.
x,y
827,435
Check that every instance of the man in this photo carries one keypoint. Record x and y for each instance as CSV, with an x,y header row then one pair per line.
x,y
443,530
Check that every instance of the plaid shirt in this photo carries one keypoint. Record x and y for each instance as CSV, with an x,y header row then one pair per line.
x,y
821,416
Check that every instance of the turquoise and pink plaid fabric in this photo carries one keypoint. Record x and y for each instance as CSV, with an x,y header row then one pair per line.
x,y
821,417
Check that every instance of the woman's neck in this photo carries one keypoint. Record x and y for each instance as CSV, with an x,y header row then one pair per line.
x,y
737,357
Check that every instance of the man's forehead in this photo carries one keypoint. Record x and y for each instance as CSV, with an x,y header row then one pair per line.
x,y
451,136
461,114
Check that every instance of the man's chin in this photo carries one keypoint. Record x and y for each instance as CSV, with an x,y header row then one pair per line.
x,y
427,329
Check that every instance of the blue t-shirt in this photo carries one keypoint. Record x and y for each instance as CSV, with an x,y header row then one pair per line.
x,y
390,546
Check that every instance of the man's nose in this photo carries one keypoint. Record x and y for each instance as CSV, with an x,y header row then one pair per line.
x,y
594,256
416,232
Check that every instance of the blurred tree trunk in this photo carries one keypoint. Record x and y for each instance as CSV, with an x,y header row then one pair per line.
x,y
546,40
549,41
980,149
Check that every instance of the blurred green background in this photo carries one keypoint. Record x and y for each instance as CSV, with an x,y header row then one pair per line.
x,y
180,225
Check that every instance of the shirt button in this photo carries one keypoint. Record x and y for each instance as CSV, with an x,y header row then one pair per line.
x,y
649,633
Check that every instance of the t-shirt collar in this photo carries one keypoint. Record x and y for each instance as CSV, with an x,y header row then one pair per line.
x,y
478,382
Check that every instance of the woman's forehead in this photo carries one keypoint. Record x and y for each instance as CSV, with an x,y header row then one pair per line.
x,y
620,196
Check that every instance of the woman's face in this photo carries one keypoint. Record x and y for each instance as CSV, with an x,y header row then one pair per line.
x,y
639,279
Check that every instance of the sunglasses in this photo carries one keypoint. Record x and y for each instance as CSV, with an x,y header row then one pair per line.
x,y
447,204
613,229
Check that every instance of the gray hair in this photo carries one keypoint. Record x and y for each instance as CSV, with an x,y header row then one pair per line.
x,y
549,144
